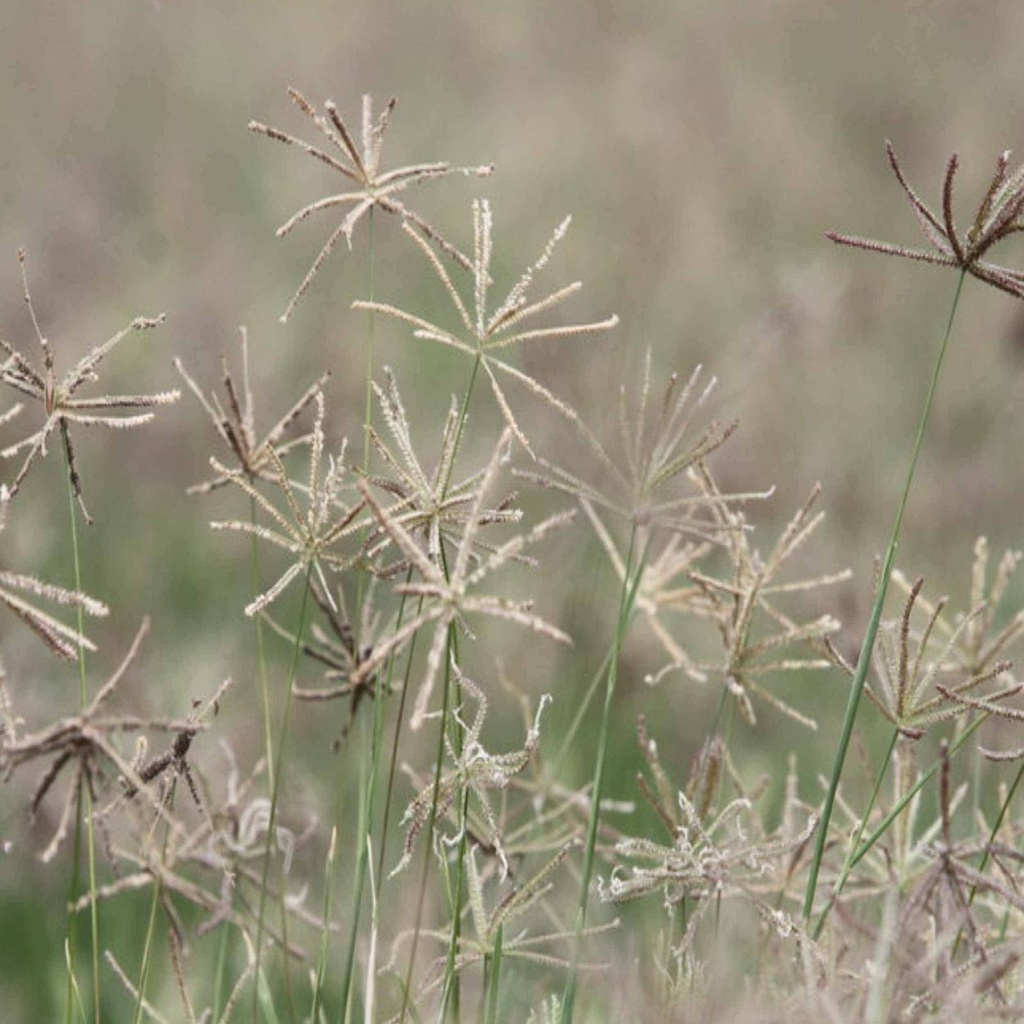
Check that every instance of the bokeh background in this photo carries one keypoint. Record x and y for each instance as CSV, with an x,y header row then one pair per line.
x,y
703,150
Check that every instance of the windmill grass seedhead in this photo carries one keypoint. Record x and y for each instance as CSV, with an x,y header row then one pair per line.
x,y
58,400
990,630
61,639
759,639
665,586
214,865
485,332
177,951
450,597
237,424
430,503
360,166
711,852
85,739
336,649
473,769
311,536
998,216
918,681
648,483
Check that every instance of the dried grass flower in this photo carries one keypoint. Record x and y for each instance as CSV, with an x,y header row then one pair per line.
x,y
506,910
919,683
483,333
340,649
59,401
657,444
474,769
997,217
449,597
212,865
236,425
758,638
310,535
360,165
430,503
711,853
665,586
63,640
86,740
989,631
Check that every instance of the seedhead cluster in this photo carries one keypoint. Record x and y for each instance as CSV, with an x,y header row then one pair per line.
x,y
375,590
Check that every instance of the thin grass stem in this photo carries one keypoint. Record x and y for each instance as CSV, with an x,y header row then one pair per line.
x,y
274,793
492,979
630,586
900,806
844,874
83,697
428,846
147,949
325,942
367,802
864,658
1000,818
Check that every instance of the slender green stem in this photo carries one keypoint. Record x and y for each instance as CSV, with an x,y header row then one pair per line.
x,y
268,740
147,949
254,565
83,697
844,874
864,659
451,991
1000,818
923,781
367,805
370,323
395,738
275,788
220,973
463,414
565,743
492,972
428,845
368,409
630,585
366,786
71,940
369,784
321,967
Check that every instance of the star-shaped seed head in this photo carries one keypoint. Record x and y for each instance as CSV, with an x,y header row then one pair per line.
x,y
60,401
360,164
998,216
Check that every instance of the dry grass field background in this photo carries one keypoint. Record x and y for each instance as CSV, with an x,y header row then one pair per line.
x,y
703,150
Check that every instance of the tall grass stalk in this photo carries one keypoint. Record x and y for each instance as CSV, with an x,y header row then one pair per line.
x,y
86,791
428,851
492,979
630,584
366,801
147,948
274,794
847,867
261,656
864,658
451,990
997,825
325,944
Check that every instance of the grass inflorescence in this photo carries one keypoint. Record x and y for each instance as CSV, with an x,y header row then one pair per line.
x,y
458,852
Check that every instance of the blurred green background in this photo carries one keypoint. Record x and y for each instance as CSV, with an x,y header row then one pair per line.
x,y
703,149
